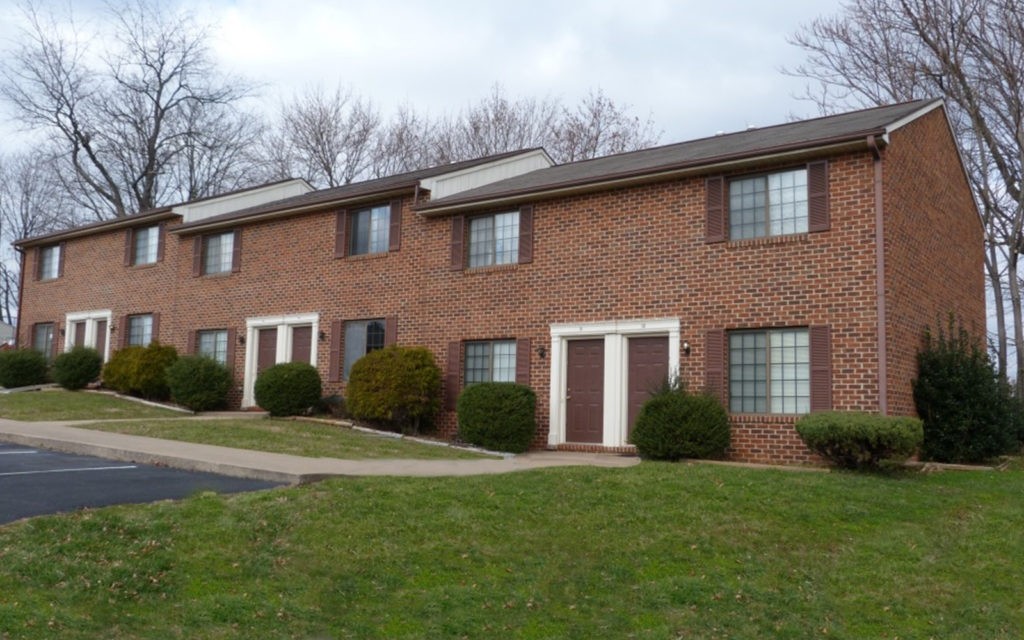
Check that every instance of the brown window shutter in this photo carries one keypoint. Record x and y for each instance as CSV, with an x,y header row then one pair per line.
x,y
129,240
232,341
60,259
458,229
523,361
821,368
714,365
192,347
716,212
236,252
452,375
525,234
156,327
197,256
38,270
123,329
160,233
395,232
334,363
390,330
340,234
817,196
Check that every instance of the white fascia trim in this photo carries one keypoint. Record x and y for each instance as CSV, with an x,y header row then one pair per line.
x,y
284,345
905,120
429,183
615,334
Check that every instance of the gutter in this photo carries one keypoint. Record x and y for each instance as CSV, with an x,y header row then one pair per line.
x,y
21,293
883,396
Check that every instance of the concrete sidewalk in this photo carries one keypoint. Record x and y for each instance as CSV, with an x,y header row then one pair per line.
x,y
274,467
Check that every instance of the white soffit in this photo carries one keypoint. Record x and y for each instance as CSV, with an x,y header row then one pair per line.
x,y
448,184
215,206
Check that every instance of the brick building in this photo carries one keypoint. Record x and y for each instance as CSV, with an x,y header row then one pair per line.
x,y
786,269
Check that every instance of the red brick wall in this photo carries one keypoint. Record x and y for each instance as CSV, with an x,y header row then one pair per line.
x,y
934,248
630,253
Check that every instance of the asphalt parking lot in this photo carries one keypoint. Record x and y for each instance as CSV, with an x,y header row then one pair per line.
x,y
36,482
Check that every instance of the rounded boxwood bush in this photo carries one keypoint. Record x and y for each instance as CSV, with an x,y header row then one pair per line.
x,y
397,386
498,416
76,368
674,425
199,383
22,368
860,440
119,371
288,389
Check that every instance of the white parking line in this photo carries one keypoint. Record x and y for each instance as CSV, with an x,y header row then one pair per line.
x,y
29,473
12,453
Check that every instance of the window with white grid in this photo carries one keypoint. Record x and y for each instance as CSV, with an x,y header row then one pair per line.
x,y
147,241
140,330
213,344
490,361
370,230
218,251
769,371
49,262
494,239
768,205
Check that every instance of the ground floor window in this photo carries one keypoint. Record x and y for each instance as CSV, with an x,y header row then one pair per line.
x,y
213,343
140,330
490,361
769,371
362,337
42,338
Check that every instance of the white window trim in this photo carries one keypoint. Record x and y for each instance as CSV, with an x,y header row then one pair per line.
x,y
92,320
284,345
615,335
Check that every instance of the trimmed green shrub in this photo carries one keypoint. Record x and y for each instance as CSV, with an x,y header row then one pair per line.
x,y
968,411
119,371
860,440
199,383
674,424
288,389
141,371
397,386
22,368
76,368
498,416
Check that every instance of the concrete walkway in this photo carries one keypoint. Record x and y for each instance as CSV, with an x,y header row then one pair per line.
x,y
274,467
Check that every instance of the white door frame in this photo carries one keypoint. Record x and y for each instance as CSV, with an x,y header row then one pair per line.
x,y
284,345
91,320
615,334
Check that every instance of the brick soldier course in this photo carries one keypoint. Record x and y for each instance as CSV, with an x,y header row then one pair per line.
x,y
609,251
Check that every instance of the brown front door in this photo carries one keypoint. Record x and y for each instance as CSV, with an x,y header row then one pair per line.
x,y
79,335
584,402
101,337
648,368
302,338
266,349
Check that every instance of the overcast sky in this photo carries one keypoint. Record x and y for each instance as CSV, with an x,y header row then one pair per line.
x,y
695,67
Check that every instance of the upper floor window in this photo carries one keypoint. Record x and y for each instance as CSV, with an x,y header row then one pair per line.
x,y
490,361
140,330
769,371
217,253
213,344
42,338
494,239
369,230
144,245
768,205
50,259
780,203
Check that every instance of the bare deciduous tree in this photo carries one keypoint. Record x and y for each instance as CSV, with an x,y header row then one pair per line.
x,y
599,127
970,52
122,118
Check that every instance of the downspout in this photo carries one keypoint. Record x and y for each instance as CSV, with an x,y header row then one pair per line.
x,y
883,399
21,292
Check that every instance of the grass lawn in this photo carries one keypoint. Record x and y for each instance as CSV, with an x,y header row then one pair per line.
x,y
31,406
654,551
284,436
